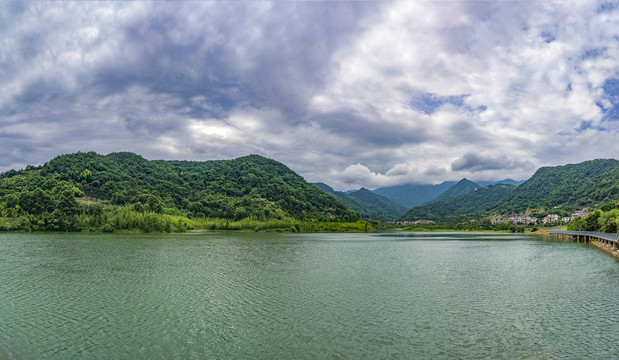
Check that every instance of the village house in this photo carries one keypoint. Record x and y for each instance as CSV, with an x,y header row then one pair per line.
x,y
525,220
550,218
579,214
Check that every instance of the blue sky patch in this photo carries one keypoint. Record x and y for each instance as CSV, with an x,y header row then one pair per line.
x,y
607,7
548,36
611,93
593,53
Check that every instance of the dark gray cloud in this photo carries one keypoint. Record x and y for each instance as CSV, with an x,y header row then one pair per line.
x,y
478,162
370,130
136,71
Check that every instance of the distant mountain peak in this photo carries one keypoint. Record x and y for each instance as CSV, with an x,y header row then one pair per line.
x,y
411,195
461,187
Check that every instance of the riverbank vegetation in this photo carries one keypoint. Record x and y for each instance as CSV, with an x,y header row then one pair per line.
x,y
113,218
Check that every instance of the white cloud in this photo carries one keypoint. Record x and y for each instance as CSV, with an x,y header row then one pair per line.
x,y
325,87
526,67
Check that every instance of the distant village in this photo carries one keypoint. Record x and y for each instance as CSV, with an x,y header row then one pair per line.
x,y
548,219
516,220
416,222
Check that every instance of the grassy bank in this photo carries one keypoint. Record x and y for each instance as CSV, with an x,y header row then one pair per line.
x,y
120,218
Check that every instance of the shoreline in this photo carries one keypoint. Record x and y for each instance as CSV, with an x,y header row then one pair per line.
x,y
606,248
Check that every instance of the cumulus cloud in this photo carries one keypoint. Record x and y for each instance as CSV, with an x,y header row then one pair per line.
x,y
434,171
349,93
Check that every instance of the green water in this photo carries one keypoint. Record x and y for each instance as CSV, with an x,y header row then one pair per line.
x,y
305,296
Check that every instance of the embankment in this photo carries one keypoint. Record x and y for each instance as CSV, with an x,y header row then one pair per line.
x,y
607,248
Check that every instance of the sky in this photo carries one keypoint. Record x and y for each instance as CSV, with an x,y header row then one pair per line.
x,y
349,93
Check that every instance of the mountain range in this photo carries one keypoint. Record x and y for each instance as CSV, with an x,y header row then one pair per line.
x,y
558,189
254,187
393,203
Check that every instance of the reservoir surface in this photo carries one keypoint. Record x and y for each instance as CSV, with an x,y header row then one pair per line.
x,y
401,295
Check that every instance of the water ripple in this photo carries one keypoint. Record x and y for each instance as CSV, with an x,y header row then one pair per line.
x,y
342,296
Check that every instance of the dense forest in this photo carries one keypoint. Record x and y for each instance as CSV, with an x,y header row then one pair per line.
x,y
568,187
125,191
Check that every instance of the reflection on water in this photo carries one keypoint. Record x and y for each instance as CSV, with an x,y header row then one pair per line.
x,y
352,296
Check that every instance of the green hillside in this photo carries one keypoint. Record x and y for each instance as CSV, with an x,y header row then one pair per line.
x,y
248,187
467,205
569,187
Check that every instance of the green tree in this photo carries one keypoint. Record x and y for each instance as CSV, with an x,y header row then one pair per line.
x,y
67,203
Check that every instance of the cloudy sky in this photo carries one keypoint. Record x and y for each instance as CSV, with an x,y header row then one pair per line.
x,y
348,93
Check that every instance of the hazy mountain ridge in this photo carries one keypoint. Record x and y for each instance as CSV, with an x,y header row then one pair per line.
x,y
504,182
411,195
369,205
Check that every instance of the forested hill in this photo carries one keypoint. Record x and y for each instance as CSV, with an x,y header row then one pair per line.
x,y
462,187
568,187
250,186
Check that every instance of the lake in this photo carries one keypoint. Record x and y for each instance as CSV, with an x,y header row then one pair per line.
x,y
306,296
